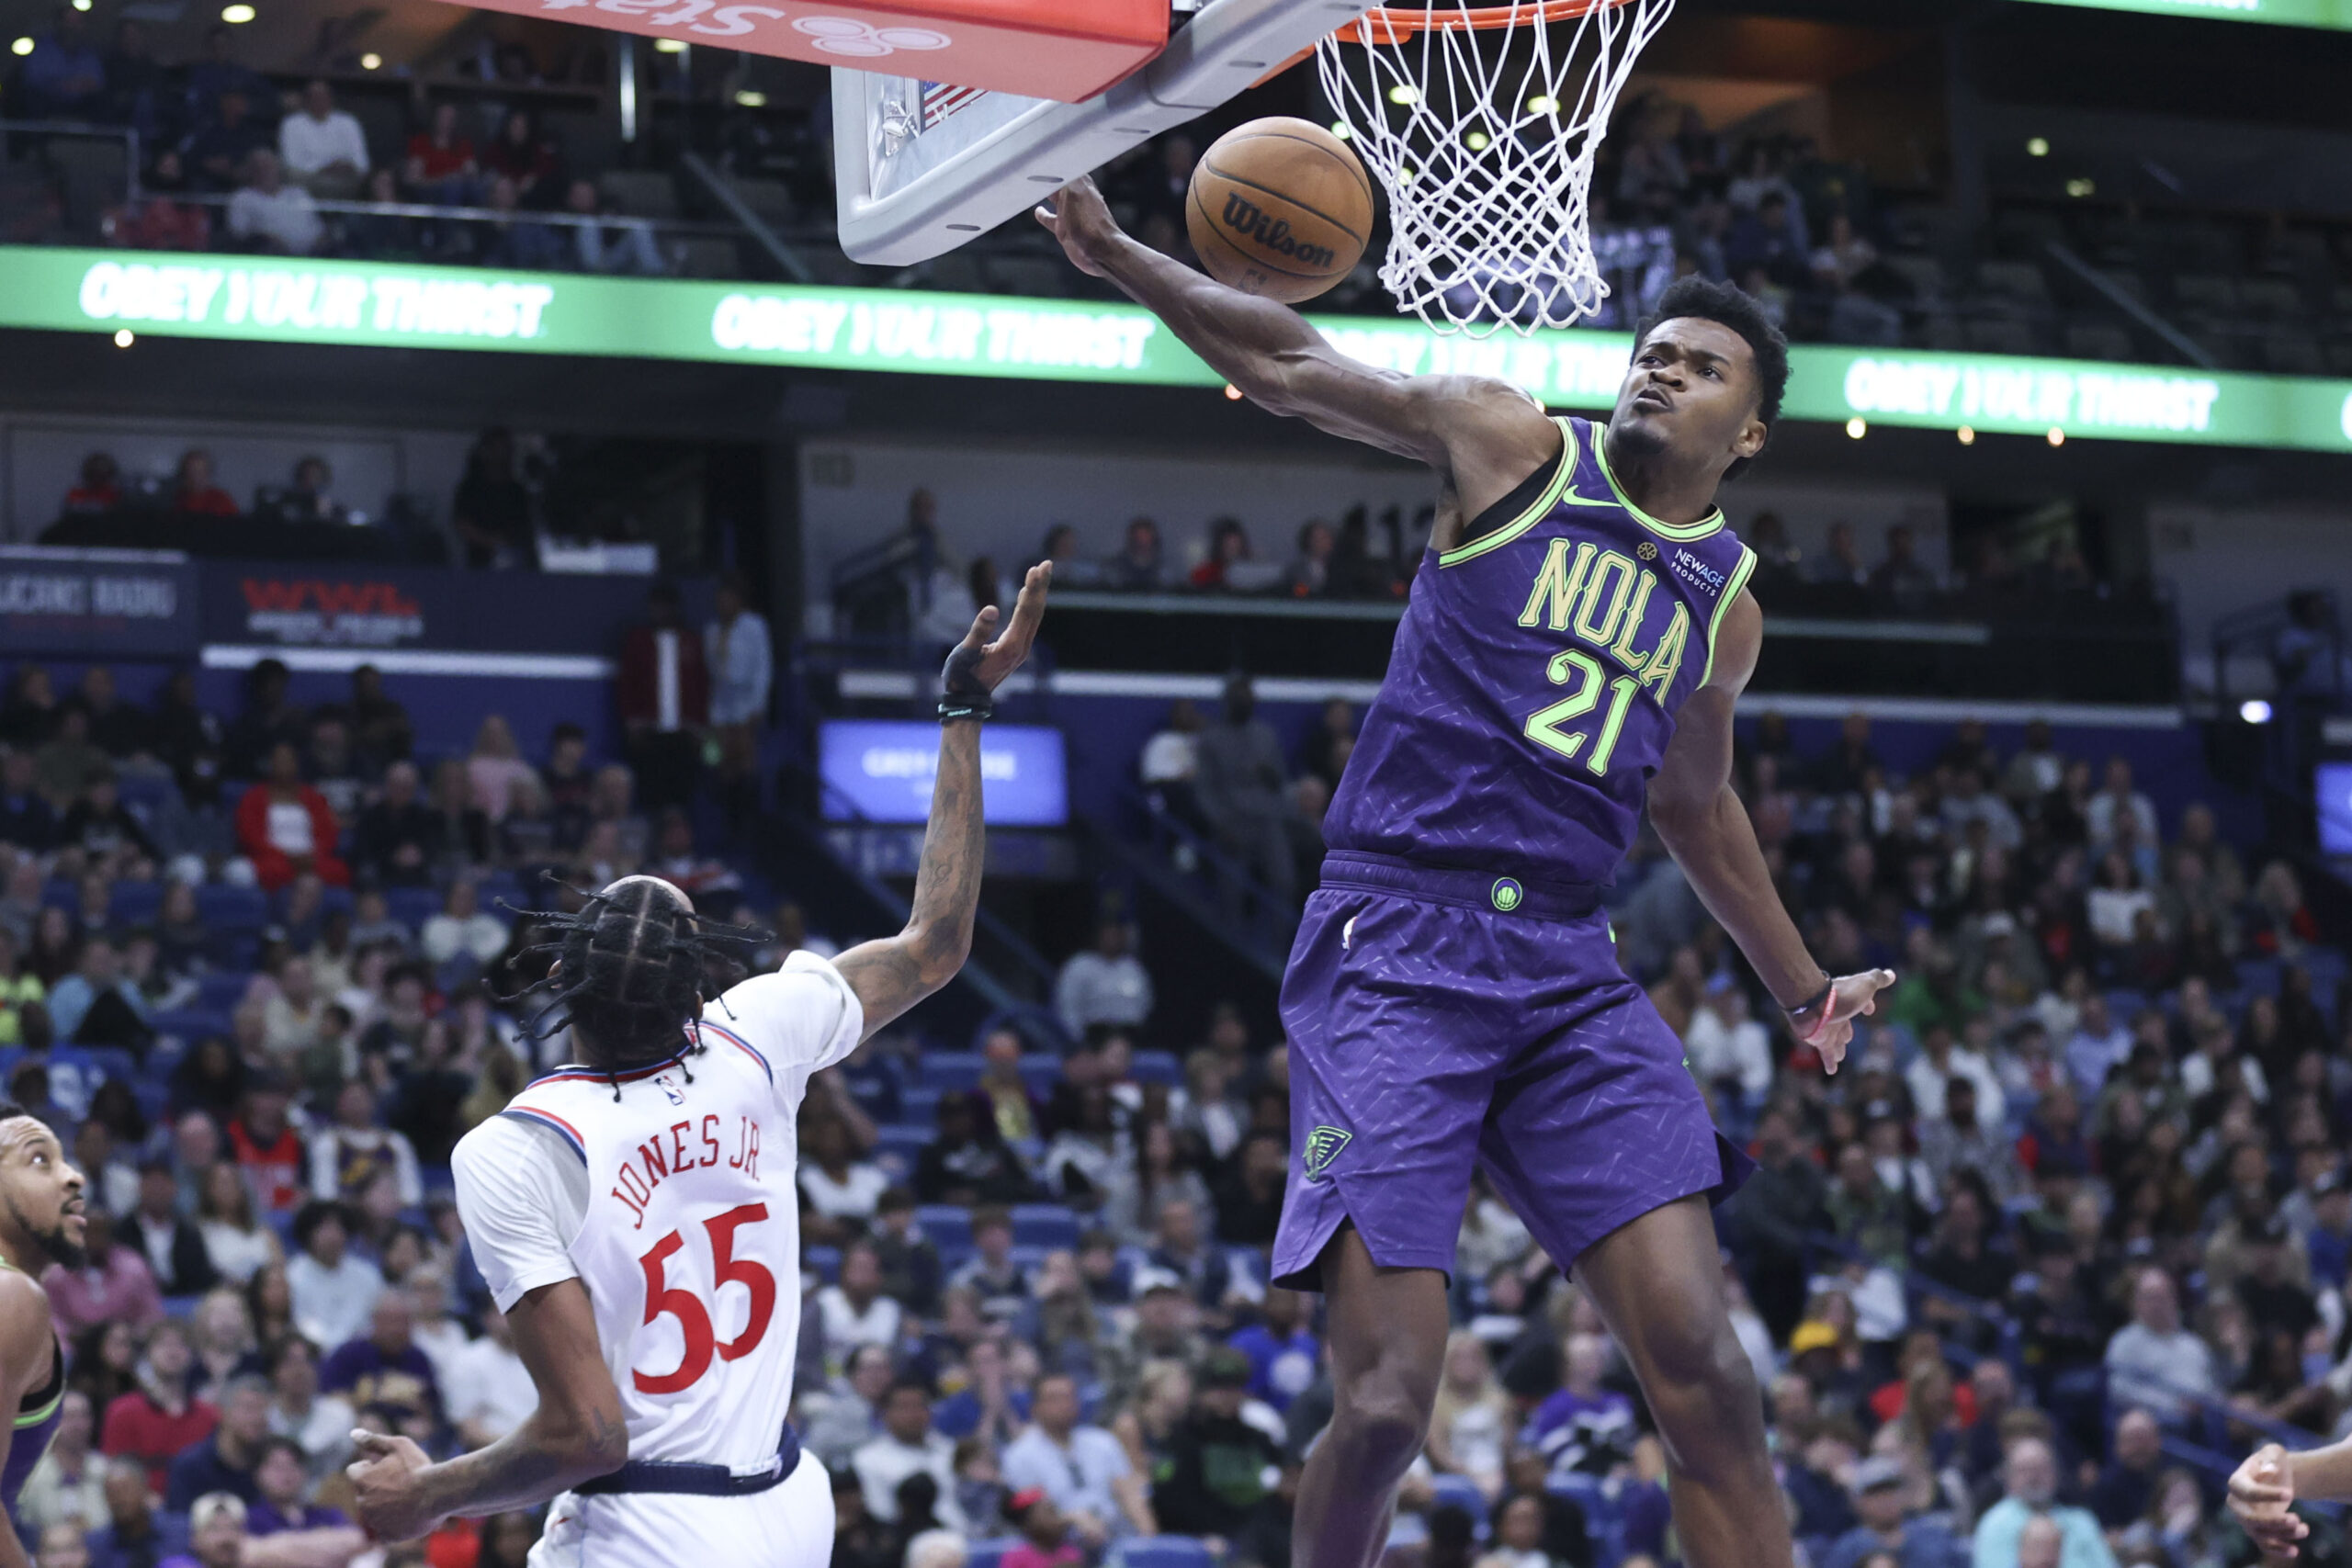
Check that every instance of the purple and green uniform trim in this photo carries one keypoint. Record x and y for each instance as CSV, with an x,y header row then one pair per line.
x,y
1453,996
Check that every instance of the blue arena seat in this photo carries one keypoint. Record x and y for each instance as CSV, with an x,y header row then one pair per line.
x,y
899,1146
58,892
989,1553
950,1070
191,1024
223,989
1156,1067
825,1262
919,1108
946,1223
135,903
412,906
1047,1225
229,908
1161,1551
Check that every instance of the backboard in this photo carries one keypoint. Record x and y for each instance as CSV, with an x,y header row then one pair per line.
x,y
1064,49
922,167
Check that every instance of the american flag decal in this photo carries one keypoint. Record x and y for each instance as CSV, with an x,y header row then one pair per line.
x,y
941,99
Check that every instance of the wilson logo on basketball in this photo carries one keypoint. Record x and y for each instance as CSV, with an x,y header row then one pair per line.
x,y
1242,217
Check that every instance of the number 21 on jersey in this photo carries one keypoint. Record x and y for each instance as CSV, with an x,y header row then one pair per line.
x,y
662,1299
1584,674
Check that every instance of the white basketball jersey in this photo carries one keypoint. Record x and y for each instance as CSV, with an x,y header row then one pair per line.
x,y
690,1243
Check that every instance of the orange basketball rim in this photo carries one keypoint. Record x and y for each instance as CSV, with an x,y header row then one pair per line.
x,y
1387,26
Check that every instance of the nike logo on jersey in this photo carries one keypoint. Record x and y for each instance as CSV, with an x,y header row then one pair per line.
x,y
1573,498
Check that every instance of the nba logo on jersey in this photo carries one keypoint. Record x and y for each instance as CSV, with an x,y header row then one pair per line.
x,y
671,1089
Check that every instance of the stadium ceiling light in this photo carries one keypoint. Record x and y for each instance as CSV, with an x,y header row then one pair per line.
x,y
1967,433
81,4
1476,140
1339,129
2082,188
1543,103
236,14
1232,393
124,338
22,46
751,100
1858,427
2254,710
2038,147
1404,94
2057,437
371,62
669,46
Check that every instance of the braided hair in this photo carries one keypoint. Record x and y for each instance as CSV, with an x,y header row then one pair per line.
x,y
633,961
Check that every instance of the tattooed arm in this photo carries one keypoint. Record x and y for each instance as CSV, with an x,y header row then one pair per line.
x,y
894,974
576,1434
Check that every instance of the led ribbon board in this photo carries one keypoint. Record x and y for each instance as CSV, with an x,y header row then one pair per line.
x,y
906,332
2288,13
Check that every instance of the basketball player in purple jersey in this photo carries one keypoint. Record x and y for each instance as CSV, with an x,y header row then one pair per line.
x,y
1575,640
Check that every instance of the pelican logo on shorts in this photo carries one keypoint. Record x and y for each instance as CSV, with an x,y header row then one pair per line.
x,y
1507,894
1242,216
1647,551
1323,1146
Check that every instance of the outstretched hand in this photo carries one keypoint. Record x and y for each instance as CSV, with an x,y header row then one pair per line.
x,y
1081,220
2262,1494
978,665
1830,1027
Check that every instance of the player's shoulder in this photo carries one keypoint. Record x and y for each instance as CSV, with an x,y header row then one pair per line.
x,y
533,1121
796,1009
24,1306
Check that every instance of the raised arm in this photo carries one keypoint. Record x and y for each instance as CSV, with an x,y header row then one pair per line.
x,y
1482,436
577,1433
1704,826
892,974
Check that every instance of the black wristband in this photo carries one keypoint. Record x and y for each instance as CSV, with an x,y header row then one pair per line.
x,y
957,707
1828,988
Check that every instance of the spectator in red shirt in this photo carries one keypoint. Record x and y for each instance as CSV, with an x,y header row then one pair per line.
x,y
158,1418
441,167
98,490
664,694
113,1284
266,1147
161,220
1228,542
193,491
286,828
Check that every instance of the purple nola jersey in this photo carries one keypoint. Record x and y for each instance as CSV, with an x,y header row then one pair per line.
x,y
1535,678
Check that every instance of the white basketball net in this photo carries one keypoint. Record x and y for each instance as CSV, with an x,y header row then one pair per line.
x,y
1485,142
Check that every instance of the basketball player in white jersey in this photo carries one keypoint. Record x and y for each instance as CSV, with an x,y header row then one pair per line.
x,y
635,1215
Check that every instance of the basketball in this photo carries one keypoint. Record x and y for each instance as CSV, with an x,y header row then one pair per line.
x,y
1279,208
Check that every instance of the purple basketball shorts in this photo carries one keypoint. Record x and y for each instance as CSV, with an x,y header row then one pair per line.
x,y
1442,1019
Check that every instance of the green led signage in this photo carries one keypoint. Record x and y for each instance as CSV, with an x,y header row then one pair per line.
x,y
2288,13
963,334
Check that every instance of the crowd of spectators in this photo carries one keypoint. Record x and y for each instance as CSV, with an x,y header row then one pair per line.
x,y
254,969
231,161
2075,1209
2076,1199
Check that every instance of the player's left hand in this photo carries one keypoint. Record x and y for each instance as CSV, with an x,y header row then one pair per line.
x,y
1830,1026
383,1481
977,661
